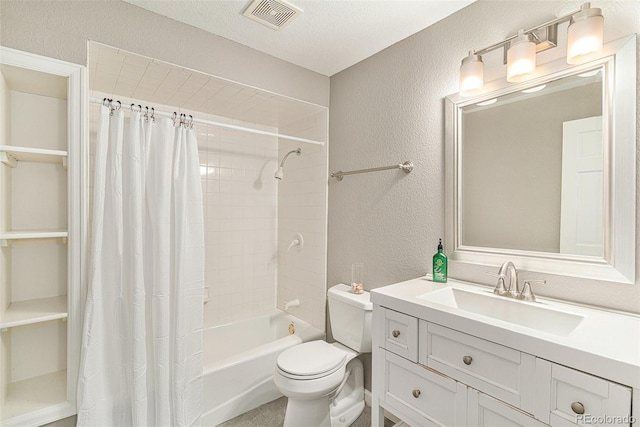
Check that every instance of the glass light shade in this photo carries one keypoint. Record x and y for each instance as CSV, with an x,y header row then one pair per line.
x,y
471,75
521,58
585,35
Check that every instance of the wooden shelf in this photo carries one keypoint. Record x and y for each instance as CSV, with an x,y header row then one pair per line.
x,y
32,311
11,154
34,393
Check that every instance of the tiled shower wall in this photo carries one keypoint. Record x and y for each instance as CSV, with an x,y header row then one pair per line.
x,y
240,198
241,220
302,208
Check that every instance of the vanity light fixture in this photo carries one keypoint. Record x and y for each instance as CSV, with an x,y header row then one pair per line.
x,y
585,34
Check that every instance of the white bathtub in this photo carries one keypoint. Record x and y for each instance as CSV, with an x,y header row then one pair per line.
x,y
239,361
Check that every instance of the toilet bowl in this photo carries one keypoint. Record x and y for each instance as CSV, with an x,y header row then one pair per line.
x,y
324,382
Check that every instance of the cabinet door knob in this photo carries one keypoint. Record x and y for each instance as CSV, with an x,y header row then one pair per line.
x,y
395,333
577,407
416,393
467,360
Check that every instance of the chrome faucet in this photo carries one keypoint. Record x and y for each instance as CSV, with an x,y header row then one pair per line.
x,y
508,269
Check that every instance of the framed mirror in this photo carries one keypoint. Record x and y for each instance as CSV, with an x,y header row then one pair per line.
x,y
542,173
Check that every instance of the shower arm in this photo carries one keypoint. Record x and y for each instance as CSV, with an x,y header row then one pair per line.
x,y
298,151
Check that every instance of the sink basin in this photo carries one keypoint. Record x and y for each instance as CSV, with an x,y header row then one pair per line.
x,y
531,315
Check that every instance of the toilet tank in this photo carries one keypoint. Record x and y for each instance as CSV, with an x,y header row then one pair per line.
x,y
350,316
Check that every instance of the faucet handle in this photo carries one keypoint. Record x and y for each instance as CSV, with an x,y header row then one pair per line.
x,y
527,294
500,288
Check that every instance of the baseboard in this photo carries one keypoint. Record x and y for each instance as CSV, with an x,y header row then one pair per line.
x,y
387,414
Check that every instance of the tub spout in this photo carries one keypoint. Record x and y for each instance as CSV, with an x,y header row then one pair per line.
x,y
292,303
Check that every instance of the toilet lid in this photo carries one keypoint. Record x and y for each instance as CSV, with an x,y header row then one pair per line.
x,y
311,359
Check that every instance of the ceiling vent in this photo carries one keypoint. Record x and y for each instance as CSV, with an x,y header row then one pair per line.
x,y
275,14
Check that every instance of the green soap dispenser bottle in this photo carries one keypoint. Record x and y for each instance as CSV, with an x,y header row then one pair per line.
x,y
440,265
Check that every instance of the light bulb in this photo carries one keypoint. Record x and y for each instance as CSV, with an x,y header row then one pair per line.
x,y
521,58
585,34
471,75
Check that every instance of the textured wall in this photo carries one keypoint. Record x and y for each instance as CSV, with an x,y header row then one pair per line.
x,y
60,29
389,108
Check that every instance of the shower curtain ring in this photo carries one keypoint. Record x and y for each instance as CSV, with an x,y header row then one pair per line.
x,y
153,115
114,108
190,121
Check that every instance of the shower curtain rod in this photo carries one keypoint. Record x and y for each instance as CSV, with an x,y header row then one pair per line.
x,y
225,125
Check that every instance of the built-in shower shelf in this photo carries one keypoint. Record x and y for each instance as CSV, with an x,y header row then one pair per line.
x,y
11,154
27,312
6,236
34,394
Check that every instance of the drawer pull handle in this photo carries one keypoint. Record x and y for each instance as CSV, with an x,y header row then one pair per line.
x,y
416,393
395,333
577,407
467,360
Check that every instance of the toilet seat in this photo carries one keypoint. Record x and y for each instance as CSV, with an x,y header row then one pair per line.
x,y
311,360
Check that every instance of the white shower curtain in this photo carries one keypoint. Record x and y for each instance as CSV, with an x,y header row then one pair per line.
x,y
141,362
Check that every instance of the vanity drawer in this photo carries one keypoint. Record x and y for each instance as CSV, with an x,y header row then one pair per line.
x,y
499,371
578,398
430,398
485,411
401,334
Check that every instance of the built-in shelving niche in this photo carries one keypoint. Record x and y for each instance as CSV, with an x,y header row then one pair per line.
x,y
39,272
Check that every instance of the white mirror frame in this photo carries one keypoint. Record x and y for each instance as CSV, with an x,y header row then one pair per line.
x,y
619,107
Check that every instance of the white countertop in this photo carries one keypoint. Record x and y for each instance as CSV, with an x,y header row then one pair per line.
x,y
605,343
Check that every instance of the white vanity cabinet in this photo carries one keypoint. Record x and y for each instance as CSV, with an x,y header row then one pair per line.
x,y
459,379
42,141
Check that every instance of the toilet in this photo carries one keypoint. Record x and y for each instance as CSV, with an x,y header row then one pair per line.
x,y
325,382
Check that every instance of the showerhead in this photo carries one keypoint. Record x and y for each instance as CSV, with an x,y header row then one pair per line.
x,y
279,173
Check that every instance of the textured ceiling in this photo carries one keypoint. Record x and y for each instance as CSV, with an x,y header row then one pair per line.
x,y
329,36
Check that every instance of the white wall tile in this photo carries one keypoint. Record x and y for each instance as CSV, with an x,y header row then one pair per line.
x,y
302,208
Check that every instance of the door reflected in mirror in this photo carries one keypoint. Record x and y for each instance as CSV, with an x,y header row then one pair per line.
x,y
533,168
